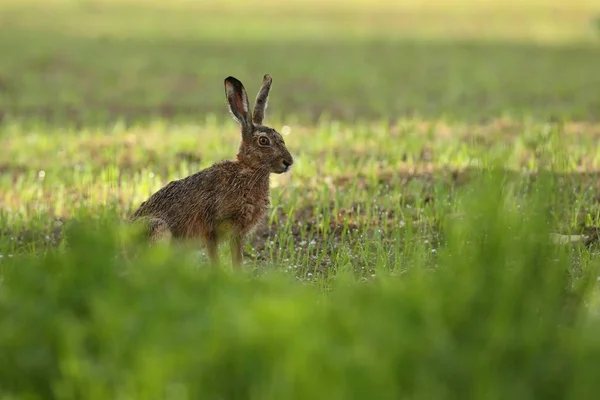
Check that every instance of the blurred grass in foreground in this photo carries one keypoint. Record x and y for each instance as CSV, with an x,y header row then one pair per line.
x,y
500,314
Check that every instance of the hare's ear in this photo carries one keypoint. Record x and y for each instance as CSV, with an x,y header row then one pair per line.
x,y
260,105
238,101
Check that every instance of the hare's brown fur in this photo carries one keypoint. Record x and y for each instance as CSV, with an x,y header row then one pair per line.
x,y
230,197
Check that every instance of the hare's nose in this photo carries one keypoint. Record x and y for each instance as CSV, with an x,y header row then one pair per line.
x,y
286,164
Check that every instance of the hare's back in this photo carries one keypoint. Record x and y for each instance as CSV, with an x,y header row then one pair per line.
x,y
176,195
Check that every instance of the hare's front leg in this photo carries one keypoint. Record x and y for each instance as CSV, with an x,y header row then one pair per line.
x,y
212,248
236,244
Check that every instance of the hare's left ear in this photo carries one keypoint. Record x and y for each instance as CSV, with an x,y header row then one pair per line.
x,y
238,102
260,105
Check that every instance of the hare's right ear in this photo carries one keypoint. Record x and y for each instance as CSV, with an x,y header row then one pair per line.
x,y
260,105
238,102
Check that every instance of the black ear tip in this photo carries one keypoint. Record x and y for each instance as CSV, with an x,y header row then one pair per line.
x,y
233,85
232,80
267,77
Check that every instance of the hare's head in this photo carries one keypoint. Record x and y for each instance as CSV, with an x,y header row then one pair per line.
x,y
262,147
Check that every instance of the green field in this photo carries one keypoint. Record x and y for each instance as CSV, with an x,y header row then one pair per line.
x,y
407,254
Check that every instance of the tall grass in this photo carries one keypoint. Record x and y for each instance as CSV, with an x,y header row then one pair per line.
x,y
498,313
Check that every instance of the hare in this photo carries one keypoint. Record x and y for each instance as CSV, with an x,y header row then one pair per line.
x,y
229,198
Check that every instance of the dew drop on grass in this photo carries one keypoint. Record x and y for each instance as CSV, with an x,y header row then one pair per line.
x,y
151,175
42,174
286,130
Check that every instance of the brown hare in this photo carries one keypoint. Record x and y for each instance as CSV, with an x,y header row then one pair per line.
x,y
229,198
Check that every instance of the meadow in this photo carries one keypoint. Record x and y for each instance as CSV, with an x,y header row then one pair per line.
x,y
438,148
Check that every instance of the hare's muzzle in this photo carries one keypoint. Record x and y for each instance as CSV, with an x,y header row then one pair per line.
x,y
286,165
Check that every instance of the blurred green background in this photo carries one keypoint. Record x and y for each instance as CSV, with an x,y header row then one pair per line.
x,y
94,61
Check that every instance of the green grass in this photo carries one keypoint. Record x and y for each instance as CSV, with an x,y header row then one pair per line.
x,y
407,253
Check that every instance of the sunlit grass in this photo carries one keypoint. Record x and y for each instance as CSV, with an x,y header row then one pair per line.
x,y
351,185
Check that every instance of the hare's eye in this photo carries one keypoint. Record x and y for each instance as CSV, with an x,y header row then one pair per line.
x,y
264,141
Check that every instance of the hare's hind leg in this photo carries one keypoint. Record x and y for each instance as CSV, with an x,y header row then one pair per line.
x,y
158,230
236,243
